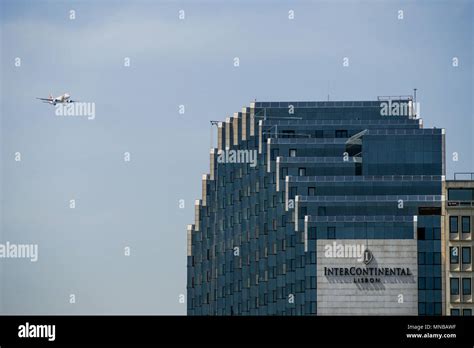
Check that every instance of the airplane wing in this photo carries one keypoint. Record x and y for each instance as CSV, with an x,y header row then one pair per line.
x,y
47,99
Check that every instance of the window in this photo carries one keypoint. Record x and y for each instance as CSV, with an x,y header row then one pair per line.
x,y
454,255
284,173
421,258
466,224
454,285
303,212
302,171
331,232
466,255
467,312
421,233
274,154
438,310
421,308
312,233
292,152
428,258
460,194
429,211
321,211
429,233
466,286
429,308
341,133
453,224
421,283
455,311
311,191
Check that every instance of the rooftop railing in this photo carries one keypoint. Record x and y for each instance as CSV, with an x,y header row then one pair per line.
x,y
394,97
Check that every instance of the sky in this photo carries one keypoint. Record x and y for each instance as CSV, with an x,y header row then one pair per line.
x,y
187,62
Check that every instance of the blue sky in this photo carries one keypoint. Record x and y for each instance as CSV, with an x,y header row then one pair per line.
x,y
188,62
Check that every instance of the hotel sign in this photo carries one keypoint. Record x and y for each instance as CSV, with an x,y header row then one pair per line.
x,y
367,277
367,274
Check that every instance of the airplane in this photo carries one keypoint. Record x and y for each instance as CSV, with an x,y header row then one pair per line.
x,y
62,99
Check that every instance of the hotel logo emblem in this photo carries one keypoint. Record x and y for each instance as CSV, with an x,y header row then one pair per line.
x,y
368,257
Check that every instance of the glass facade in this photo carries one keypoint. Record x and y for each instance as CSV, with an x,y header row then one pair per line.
x,y
322,170
429,266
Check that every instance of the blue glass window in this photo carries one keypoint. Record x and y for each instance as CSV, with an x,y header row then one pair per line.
x,y
466,255
466,224
454,255
454,286
466,286
453,224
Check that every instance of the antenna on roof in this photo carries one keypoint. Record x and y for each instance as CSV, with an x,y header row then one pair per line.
x,y
213,123
414,95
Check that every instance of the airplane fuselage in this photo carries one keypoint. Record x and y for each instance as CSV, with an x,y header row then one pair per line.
x,y
65,98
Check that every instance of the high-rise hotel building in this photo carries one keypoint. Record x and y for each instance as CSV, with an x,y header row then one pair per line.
x,y
321,208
